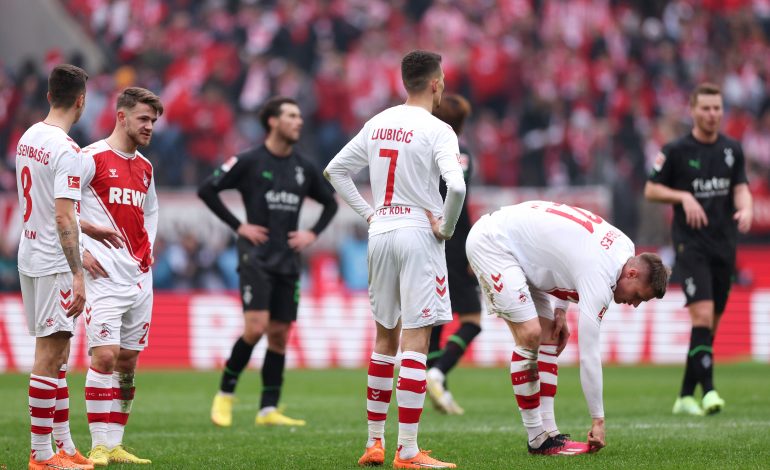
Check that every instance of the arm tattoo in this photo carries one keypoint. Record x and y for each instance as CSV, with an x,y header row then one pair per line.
x,y
70,244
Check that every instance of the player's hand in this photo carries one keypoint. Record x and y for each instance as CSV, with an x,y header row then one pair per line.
x,y
107,236
78,296
560,329
93,266
596,435
435,224
744,217
301,239
256,234
693,212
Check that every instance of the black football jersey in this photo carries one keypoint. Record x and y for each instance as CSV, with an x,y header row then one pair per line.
x,y
710,172
273,189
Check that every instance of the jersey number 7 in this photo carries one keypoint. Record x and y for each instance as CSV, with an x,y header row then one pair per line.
x,y
393,155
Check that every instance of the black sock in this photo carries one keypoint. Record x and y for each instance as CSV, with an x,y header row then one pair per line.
x,y
239,358
456,345
434,347
707,382
272,378
699,360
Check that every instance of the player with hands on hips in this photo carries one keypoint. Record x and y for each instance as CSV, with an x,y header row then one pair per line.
x,y
406,149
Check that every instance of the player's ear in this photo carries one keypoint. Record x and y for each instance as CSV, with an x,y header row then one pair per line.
x,y
81,101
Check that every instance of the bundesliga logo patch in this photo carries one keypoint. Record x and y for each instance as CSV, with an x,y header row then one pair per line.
x,y
73,182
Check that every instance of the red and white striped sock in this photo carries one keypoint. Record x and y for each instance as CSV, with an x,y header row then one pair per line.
x,y
410,393
379,389
42,403
122,398
98,404
526,387
61,417
548,367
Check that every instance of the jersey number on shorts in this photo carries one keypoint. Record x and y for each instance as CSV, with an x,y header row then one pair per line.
x,y
146,328
393,155
26,187
590,218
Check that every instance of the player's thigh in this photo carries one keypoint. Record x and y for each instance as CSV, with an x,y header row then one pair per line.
x,y
284,298
722,280
106,304
135,330
694,269
465,291
542,301
256,286
384,269
424,284
46,299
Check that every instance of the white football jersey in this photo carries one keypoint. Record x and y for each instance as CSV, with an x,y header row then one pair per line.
x,y
406,149
566,251
48,167
119,192
576,256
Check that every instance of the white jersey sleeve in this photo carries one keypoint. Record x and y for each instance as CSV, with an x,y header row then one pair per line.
x,y
89,167
447,153
595,297
151,213
67,175
349,161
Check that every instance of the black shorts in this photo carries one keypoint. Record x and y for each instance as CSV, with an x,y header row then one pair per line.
x,y
704,277
263,290
463,290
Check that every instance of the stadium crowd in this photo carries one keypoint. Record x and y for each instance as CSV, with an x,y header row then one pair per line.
x,y
564,92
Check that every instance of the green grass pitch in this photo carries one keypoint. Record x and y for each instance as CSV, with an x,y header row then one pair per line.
x,y
170,422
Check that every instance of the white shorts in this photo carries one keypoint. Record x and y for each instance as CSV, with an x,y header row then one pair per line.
x,y
117,314
408,279
506,291
46,300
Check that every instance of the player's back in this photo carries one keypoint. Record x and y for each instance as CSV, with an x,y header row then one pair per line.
x,y
557,244
404,144
47,167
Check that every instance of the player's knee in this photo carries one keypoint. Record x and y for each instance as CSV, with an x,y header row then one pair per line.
x,y
104,359
253,332
126,361
529,335
277,337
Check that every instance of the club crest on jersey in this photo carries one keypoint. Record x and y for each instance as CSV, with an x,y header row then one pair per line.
x,y
113,172
464,163
299,175
660,159
226,166
73,182
601,313
729,159
145,179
